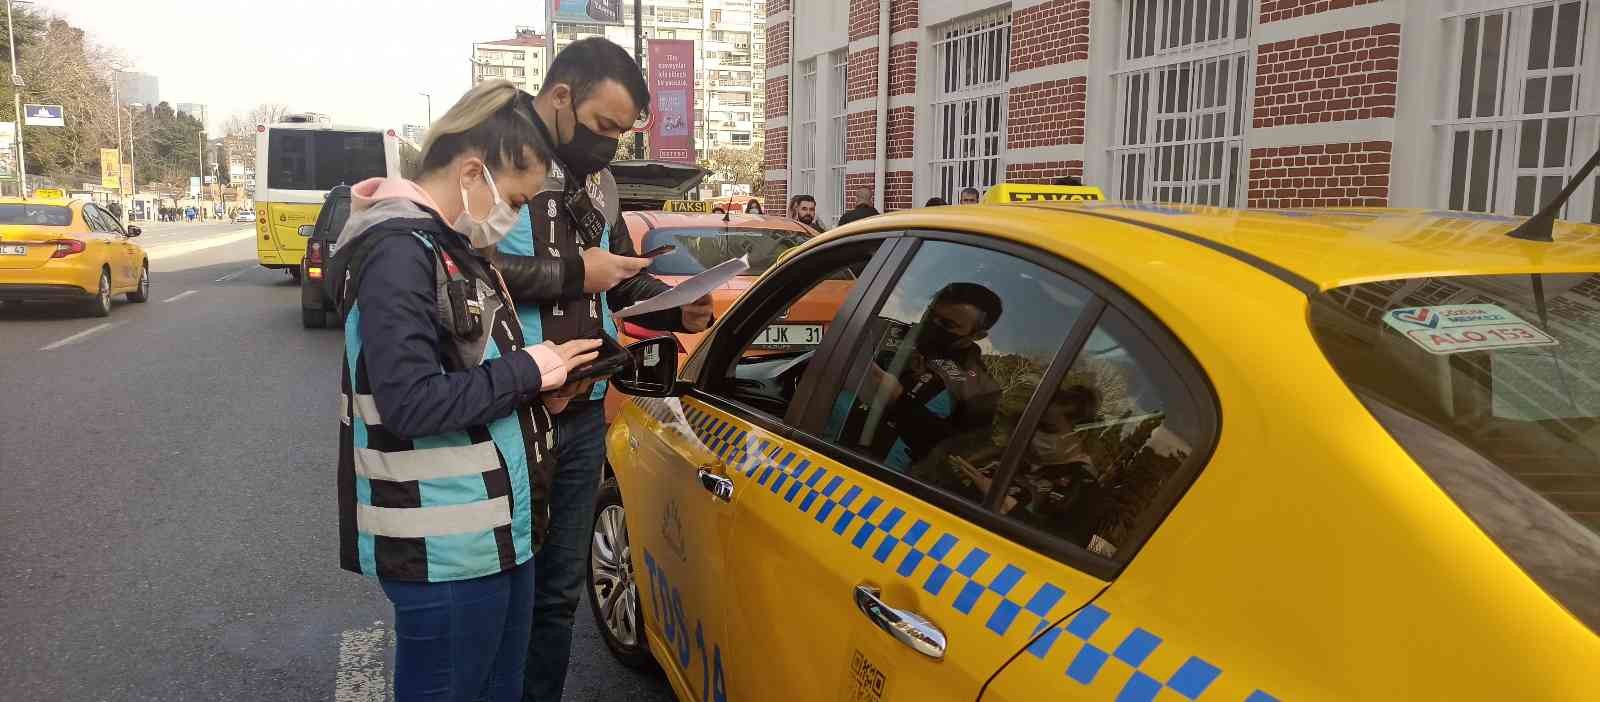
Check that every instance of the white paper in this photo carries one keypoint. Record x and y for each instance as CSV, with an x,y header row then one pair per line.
x,y
690,290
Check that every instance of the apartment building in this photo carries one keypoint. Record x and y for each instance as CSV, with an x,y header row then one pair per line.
x,y
730,69
1479,105
520,59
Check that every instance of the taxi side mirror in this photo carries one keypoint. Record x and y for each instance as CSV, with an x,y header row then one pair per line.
x,y
652,370
134,231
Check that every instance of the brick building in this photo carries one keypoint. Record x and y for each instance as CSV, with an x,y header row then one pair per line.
x,y
1483,105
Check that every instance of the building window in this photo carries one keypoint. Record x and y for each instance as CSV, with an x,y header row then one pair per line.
x,y
740,139
971,58
805,138
489,71
515,71
1519,119
1181,84
716,15
838,94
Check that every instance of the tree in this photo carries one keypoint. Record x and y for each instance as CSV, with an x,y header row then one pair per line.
x,y
242,128
736,164
60,65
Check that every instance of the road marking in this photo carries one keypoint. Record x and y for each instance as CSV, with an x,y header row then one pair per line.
x,y
235,274
75,337
162,251
180,296
361,676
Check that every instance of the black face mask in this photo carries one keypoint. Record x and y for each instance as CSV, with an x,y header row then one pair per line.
x,y
934,339
587,152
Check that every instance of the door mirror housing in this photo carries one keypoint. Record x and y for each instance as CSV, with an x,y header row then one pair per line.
x,y
652,370
134,231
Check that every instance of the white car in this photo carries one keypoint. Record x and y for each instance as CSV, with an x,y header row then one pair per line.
x,y
244,216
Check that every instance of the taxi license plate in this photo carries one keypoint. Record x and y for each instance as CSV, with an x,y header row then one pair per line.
x,y
13,249
791,335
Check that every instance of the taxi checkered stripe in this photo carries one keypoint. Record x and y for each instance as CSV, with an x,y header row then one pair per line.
x,y
860,518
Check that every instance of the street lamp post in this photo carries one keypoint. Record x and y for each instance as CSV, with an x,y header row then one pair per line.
x,y
16,97
116,116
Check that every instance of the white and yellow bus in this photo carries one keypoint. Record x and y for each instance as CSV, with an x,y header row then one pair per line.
x,y
298,161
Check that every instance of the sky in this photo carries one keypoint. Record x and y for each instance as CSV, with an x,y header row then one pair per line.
x,y
362,62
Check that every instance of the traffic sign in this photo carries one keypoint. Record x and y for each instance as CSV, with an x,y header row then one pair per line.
x,y
43,116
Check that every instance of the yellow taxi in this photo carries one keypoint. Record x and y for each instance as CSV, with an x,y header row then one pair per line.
x,y
74,250
1052,451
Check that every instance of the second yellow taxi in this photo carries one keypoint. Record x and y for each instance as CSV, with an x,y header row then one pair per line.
x,y
69,250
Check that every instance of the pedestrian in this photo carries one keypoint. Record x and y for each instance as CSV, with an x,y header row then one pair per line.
x,y
968,196
569,263
443,494
863,208
935,202
753,207
803,208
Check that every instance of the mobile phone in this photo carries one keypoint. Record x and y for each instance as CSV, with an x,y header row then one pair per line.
x,y
659,251
613,357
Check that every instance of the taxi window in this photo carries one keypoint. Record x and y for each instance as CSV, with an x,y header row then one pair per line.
x,y
36,215
1114,435
948,363
699,248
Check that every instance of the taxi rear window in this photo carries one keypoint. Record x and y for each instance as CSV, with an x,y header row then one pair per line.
x,y
1492,384
36,215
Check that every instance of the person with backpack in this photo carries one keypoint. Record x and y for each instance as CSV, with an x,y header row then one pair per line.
x,y
445,440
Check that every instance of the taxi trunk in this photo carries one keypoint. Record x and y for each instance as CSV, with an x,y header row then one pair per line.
x,y
27,248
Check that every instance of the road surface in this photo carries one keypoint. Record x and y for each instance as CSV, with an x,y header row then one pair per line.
x,y
168,511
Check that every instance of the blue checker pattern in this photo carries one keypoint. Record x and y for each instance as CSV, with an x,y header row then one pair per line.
x,y
879,528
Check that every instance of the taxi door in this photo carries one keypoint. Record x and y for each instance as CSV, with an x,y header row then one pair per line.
x,y
106,237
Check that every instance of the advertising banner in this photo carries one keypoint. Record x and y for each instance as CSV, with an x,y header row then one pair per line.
x,y
194,186
110,168
587,11
43,116
672,100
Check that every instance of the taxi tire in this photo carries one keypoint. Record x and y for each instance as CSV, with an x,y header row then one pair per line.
x,y
100,304
636,656
141,293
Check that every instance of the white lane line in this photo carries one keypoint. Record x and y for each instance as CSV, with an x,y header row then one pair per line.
x,y
181,295
75,337
361,676
235,274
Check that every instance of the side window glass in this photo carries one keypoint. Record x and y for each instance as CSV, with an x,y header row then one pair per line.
x,y
950,360
1114,434
774,354
92,216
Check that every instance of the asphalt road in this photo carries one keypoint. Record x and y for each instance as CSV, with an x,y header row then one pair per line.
x,y
167,511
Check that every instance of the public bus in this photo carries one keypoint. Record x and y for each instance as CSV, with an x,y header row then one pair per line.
x,y
298,161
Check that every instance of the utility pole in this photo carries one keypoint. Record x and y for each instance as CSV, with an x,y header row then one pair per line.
x,y
16,96
638,56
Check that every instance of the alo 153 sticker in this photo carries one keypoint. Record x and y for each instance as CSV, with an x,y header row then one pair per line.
x,y
1448,329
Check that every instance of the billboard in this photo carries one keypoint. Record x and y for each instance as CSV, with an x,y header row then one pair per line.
x,y
194,186
43,116
672,100
110,168
586,11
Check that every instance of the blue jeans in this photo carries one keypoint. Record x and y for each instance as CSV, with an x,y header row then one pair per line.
x,y
464,640
560,563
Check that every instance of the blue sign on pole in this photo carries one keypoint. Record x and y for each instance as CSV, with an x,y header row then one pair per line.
x,y
43,116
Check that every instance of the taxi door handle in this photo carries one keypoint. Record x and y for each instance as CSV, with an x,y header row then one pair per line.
x,y
909,628
720,488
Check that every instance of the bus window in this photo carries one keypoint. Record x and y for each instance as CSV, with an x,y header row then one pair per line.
x,y
303,159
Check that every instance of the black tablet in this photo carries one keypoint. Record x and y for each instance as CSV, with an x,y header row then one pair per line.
x,y
613,357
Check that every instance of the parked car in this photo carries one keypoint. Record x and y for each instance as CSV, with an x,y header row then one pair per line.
x,y
69,250
244,216
316,308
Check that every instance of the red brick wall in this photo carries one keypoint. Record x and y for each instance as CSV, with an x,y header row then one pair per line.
x,y
1320,175
1046,114
775,197
902,132
903,14
861,135
778,97
776,153
1050,33
1274,10
861,75
852,181
902,69
777,44
1329,77
897,190
863,18
776,6
1043,171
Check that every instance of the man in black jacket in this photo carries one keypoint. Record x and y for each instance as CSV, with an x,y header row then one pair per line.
x,y
863,208
569,263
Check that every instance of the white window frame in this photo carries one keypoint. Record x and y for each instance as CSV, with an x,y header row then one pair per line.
x,y
1174,140
1510,185
971,67
804,163
839,98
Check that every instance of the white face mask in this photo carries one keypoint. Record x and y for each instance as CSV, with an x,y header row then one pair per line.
x,y
491,229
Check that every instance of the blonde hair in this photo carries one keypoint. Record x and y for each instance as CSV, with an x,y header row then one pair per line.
x,y
494,118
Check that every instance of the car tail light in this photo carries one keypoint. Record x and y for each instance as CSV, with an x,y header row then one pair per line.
x,y
66,247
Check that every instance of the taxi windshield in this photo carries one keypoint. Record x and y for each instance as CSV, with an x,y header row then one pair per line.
x,y
1492,384
35,215
699,248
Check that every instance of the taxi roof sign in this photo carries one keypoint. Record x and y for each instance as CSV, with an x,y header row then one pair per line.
x,y
1038,192
693,206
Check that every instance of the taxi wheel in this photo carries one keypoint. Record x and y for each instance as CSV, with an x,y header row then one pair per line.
x,y
613,593
142,294
100,304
